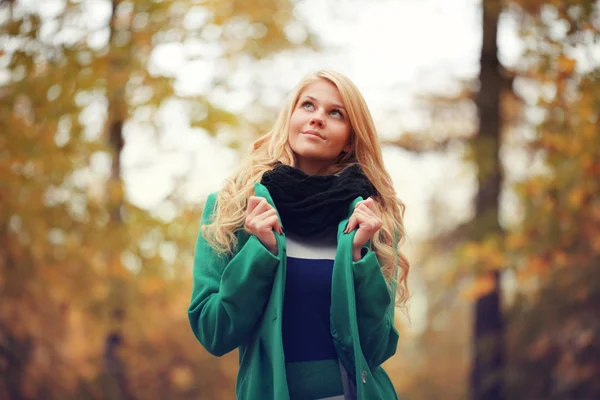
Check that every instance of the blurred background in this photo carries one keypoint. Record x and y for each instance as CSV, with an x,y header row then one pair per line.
x,y
118,117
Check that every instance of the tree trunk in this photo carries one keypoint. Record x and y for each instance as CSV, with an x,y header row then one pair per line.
x,y
15,354
117,110
487,368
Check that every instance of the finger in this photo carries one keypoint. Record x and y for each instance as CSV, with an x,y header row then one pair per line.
x,y
368,207
254,209
253,201
269,224
268,215
367,211
372,205
272,214
367,221
350,225
364,205
277,227
371,208
269,212
353,222
368,204
261,206
256,217
361,217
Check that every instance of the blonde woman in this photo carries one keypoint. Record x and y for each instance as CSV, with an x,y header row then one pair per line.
x,y
297,262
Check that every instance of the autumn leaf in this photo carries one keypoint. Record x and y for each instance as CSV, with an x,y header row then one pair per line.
x,y
481,286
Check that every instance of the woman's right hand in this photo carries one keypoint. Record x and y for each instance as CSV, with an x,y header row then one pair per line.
x,y
261,221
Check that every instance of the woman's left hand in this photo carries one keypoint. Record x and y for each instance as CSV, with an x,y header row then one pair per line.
x,y
366,216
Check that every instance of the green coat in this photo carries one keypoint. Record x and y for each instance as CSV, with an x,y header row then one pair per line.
x,y
237,301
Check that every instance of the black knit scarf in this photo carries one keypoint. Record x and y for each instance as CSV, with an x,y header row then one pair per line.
x,y
312,204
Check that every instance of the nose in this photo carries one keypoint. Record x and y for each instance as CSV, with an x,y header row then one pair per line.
x,y
317,121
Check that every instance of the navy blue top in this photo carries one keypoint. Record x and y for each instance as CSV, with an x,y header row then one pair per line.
x,y
312,366
306,305
307,301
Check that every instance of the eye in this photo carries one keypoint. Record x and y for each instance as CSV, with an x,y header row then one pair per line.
x,y
308,105
336,113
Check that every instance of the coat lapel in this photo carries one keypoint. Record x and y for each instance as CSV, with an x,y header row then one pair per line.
x,y
271,328
344,328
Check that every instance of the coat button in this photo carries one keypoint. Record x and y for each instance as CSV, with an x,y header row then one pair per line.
x,y
363,375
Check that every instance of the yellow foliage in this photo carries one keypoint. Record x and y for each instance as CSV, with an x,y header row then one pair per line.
x,y
487,255
596,243
576,197
586,162
181,377
536,265
471,252
560,259
480,286
152,285
516,241
566,65
79,349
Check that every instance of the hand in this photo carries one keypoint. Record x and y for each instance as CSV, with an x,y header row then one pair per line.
x,y
261,221
367,218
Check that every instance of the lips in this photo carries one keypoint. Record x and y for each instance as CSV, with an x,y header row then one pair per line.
x,y
313,133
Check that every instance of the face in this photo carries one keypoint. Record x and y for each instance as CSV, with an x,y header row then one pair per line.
x,y
319,127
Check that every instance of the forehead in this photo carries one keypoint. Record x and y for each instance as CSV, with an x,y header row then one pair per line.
x,y
322,90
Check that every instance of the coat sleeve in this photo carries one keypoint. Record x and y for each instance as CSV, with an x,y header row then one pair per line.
x,y
375,308
229,293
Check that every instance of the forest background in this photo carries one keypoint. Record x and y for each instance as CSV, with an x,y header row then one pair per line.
x,y
118,117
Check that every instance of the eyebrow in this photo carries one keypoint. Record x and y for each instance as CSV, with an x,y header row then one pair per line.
x,y
334,105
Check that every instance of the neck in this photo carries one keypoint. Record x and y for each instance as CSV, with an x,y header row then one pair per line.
x,y
312,167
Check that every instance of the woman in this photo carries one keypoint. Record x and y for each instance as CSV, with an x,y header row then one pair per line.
x,y
312,309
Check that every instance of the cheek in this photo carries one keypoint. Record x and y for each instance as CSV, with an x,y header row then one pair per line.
x,y
343,135
292,128
296,121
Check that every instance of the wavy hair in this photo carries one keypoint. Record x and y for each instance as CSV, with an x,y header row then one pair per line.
x,y
273,147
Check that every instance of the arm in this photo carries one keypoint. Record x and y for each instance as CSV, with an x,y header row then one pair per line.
x,y
229,293
375,310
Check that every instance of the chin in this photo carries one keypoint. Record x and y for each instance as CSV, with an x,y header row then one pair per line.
x,y
310,155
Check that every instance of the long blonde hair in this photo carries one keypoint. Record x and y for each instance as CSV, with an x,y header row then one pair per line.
x,y
229,213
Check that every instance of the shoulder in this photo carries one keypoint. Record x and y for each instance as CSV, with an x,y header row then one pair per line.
x,y
211,200
209,206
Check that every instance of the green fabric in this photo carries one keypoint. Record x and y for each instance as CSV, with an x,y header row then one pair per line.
x,y
237,301
314,379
